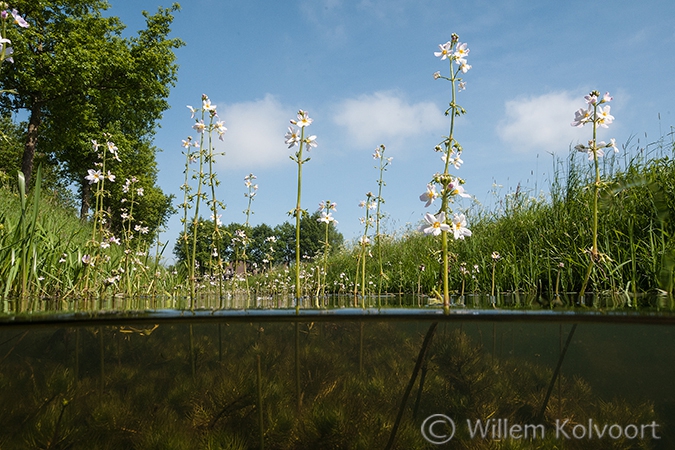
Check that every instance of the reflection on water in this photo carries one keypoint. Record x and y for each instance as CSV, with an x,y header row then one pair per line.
x,y
238,302
336,384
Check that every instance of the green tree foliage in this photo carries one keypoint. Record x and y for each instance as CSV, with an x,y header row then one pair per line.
x,y
78,78
12,138
258,244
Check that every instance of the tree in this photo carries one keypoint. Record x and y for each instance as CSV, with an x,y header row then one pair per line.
x,y
312,238
78,78
313,235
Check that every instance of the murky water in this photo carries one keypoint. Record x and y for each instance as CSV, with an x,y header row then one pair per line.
x,y
338,379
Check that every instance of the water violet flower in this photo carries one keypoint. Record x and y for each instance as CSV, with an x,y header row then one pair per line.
x,y
437,224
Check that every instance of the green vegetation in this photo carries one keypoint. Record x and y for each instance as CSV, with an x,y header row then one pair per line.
x,y
329,385
540,241
605,227
79,80
543,242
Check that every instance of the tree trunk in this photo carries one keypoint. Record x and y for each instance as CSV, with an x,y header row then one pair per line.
x,y
86,199
31,141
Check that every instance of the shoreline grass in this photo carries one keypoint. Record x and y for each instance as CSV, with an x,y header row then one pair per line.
x,y
541,241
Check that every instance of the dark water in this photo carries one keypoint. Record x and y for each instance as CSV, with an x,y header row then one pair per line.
x,y
338,379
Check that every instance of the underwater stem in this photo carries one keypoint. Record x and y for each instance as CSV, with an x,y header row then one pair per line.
x,y
411,383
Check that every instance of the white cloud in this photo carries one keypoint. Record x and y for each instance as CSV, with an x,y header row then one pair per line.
x,y
542,123
384,117
255,133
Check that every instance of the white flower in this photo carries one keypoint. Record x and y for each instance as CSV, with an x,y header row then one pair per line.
x,y
199,126
455,188
436,224
292,137
20,21
582,116
461,85
591,98
303,119
444,50
604,118
430,195
461,52
220,129
217,219
455,160
326,218
459,227
94,176
496,256
193,111
310,142
207,106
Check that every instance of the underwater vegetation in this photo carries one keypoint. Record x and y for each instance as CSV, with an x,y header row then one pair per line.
x,y
306,385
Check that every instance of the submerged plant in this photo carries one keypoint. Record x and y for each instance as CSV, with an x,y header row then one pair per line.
x,y
451,150
296,137
598,116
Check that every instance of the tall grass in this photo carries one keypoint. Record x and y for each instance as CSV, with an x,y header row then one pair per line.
x,y
544,240
43,248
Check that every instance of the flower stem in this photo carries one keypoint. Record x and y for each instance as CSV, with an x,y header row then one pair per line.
x,y
298,214
595,254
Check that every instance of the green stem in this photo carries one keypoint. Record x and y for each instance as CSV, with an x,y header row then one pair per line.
x,y
298,214
445,193
595,254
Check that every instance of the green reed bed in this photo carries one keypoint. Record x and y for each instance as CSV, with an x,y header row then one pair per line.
x,y
46,252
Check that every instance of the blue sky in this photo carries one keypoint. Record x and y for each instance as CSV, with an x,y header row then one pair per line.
x,y
363,70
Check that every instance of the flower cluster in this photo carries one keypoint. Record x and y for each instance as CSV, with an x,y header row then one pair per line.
x,y
296,136
252,188
215,125
443,185
457,54
327,216
5,50
598,116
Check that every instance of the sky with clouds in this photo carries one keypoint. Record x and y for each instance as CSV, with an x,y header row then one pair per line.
x,y
363,69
